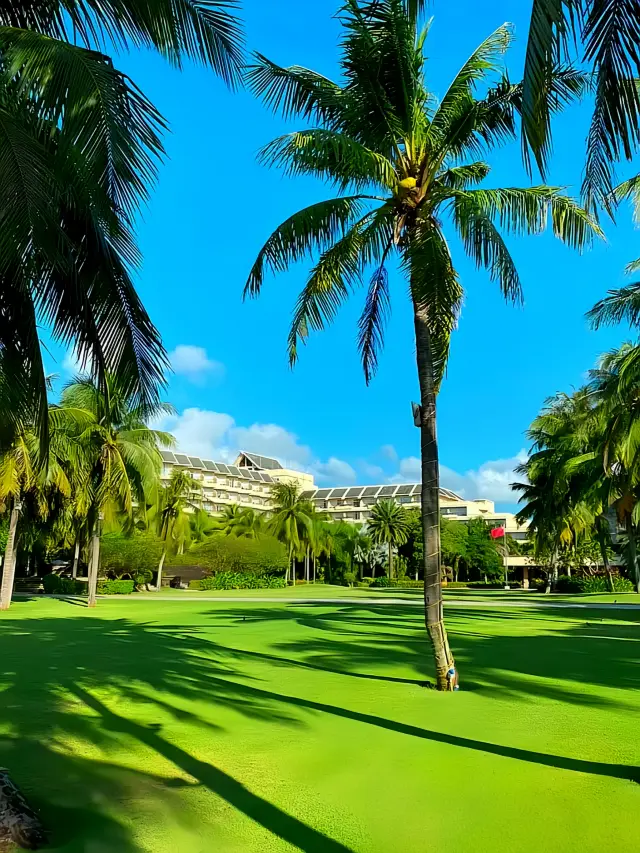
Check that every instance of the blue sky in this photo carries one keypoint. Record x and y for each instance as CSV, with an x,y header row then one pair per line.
x,y
215,205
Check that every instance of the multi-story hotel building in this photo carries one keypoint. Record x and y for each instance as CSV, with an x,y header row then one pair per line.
x,y
249,480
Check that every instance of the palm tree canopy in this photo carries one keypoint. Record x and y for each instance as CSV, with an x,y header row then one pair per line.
x,y
388,523
123,452
292,518
79,149
405,164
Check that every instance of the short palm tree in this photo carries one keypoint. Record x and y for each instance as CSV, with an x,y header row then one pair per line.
x,y
124,460
61,480
238,521
291,521
79,149
388,525
407,165
175,499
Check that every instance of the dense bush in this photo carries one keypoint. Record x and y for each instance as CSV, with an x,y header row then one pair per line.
x,y
135,557
262,556
55,585
239,580
115,587
493,585
596,583
457,585
365,583
350,578
383,581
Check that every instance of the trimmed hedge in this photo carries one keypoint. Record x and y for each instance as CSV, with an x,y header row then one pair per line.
x,y
239,580
121,587
55,585
398,583
262,556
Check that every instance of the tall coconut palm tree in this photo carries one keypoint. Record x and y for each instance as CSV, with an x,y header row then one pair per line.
x,y
407,165
291,521
79,149
388,525
175,499
605,34
122,450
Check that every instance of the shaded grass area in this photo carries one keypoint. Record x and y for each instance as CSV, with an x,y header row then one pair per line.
x,y
272,727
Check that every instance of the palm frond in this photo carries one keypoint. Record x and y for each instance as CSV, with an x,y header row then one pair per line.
x,y
621,305
435,289
553,22
204,30
294,91
337,273
330,155
312,228
484,243
372,321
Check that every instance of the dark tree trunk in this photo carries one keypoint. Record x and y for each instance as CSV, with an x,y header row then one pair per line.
x,y
19,824
632,558
434,616
390,560
9,565
602,542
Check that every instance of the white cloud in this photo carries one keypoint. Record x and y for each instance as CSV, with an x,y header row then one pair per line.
x,y
215,435
371,471
194,363
334,471
200,432
491,480
389,452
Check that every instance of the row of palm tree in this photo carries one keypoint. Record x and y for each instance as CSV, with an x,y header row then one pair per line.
x,y
80,143
583,476
102,467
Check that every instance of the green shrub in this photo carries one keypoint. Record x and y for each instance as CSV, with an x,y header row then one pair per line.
x,y
382,582
115,587
399,583
135,557
457,585
365,583
350,578
262,556
239,580
596,583
55,585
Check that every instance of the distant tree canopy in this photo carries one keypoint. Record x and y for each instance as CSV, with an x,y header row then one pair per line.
x,y
262,556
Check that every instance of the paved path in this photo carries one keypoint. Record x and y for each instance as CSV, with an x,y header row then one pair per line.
x,y
409,602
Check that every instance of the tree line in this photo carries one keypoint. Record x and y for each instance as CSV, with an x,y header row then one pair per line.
x,y
79,147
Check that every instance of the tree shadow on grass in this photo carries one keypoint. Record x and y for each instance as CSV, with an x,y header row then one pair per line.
x,y
68,680
54,673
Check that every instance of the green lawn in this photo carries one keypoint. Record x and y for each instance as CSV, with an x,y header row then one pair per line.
x,y
190,726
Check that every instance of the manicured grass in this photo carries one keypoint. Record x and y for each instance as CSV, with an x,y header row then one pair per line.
x,y
188,726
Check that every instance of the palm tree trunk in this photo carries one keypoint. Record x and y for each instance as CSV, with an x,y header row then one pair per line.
x,y
632,557
390,560
76,559
434,616
9,567
160,567
602,542
93,567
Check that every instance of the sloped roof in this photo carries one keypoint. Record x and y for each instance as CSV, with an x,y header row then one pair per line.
x,y
263,462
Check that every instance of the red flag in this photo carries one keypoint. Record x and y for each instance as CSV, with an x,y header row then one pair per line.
x,y
497,532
